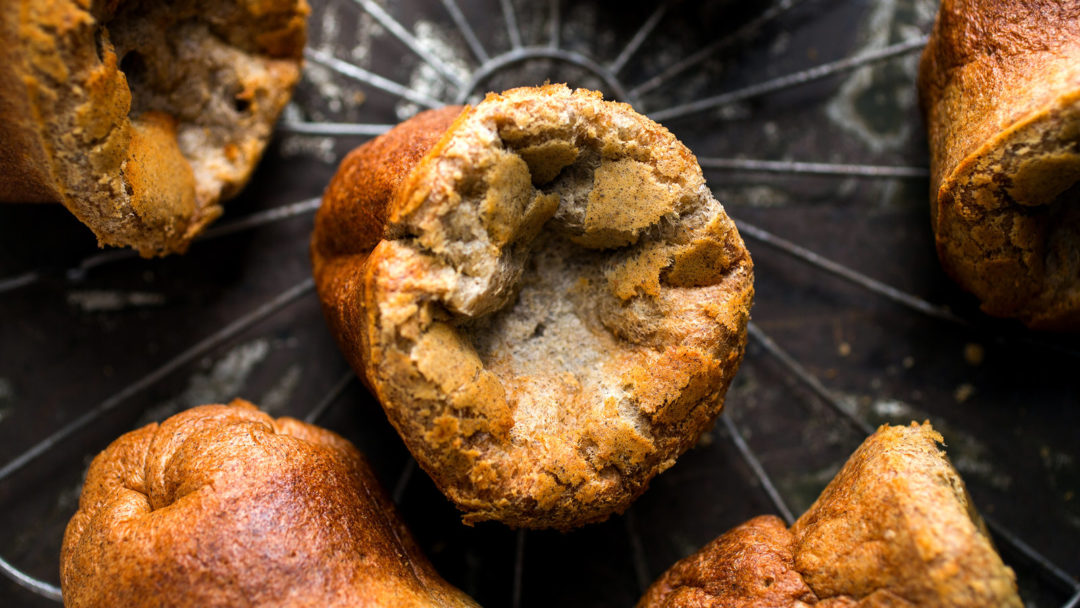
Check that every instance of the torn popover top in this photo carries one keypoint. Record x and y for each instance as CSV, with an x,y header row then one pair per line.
x,y
542,293
140,117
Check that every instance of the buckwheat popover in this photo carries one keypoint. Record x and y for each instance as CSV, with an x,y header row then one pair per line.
x,y
222,506
542,293
895,528
1000,89
141,117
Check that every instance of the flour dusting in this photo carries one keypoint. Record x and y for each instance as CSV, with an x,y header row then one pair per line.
x,y
220,381
425,79
277,398
96,300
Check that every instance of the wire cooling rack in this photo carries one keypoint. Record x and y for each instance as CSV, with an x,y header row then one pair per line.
x,y
803,116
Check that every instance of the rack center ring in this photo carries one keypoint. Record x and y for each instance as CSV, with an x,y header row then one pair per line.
x,y
521,55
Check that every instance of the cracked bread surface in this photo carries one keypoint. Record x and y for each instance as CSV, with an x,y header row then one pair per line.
x,y
542,293
895,527
140,116
1000,89
224,506
749,566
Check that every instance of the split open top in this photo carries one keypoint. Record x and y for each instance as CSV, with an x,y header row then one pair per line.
x,y
543,294
141,117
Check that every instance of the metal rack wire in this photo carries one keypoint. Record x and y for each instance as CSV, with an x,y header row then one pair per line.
x,y
463,88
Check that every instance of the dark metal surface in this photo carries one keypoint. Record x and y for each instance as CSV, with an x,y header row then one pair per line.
x,y
120,331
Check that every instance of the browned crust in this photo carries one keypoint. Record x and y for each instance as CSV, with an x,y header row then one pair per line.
x,y
895,527
352,221
897,517
24,167
749,566
223,506
452,411
71,132
354,211
1000,88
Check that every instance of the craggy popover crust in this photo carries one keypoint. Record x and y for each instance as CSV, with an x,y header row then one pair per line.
x,y
543,294
1000,88
224,506
894,528
141,116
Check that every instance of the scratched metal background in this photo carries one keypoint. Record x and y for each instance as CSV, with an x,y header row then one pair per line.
x,y
1010,410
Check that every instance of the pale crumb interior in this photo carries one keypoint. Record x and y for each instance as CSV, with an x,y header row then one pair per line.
x,y
193,61
1035,176
562,244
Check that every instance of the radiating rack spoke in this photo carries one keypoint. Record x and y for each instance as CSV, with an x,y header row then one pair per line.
x,y
1074,601
403,481
98,260
804,168
914,303
1059,576
639,38
739,35
466,30
918,304
510,15
555,23
232,329
789,80
332,129
519,568
335,391
360,74
808,379
637,551
254,220
20,280
399,32
759,471
28,582
261,218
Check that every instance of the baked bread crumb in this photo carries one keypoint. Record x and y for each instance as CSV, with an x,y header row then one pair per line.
x,y
1000,88
542,293
141,117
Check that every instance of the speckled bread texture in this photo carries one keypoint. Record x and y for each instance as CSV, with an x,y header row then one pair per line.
x,y
1000,88
139,116
894,528
751,565
543,294
224,506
